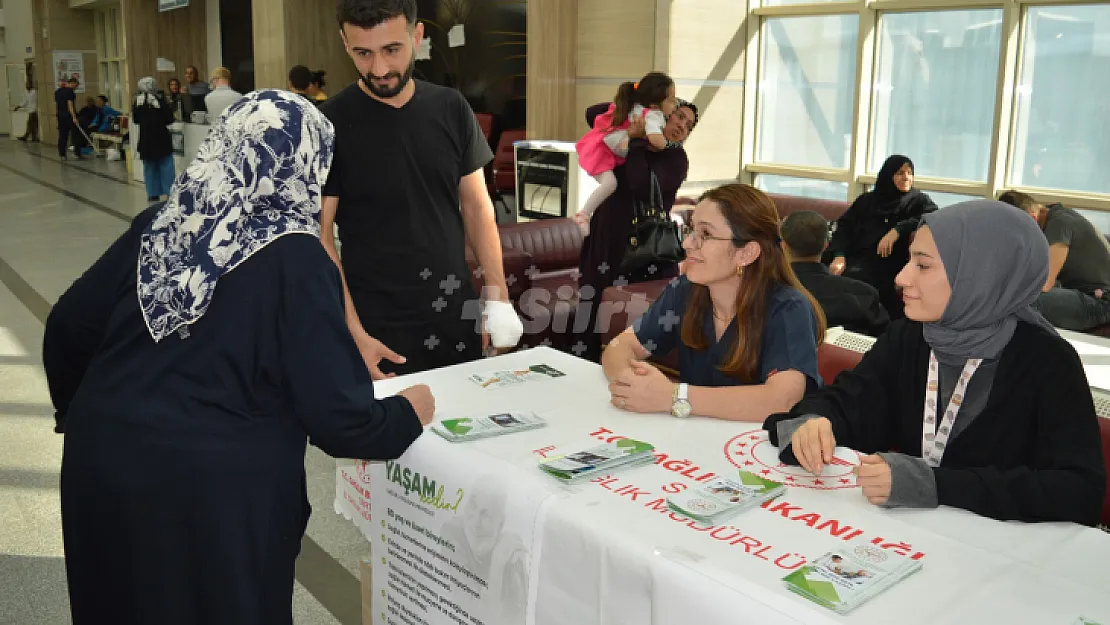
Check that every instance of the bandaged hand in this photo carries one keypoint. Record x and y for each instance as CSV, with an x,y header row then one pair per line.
x,y
504,326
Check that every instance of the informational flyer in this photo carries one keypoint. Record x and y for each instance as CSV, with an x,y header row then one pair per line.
x,y
453,543
515,377
69,66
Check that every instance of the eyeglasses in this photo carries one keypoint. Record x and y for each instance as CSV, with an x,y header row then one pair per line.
x,y
697,239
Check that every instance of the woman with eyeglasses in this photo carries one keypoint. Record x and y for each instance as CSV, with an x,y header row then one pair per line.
x,y
746,330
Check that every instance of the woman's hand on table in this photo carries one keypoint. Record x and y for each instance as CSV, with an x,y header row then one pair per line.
x,y
813,444
873,476
422,400
641,388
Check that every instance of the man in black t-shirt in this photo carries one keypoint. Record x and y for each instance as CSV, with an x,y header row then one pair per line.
x,y
64,98
408,193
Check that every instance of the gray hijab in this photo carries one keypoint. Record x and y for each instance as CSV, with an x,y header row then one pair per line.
x,y
996,258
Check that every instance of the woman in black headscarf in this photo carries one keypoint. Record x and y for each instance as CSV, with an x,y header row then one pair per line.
x,y
871,242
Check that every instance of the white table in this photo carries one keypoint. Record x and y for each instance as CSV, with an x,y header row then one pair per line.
x,y
603,553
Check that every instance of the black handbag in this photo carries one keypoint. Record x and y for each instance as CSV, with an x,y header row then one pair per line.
x,y
655,238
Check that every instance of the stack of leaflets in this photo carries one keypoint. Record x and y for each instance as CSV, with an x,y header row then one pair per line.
x,y
724,497
583,465
473,428
843,579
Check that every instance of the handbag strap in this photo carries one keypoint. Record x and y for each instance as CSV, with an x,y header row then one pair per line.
x,y
653,207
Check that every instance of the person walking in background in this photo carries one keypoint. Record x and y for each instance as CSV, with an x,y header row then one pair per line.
x,y
222,95
64,99
31,107
153,116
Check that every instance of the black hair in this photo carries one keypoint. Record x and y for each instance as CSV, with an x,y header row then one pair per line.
x,y
318,78
652,89
299,77
805,233
103,97
371,13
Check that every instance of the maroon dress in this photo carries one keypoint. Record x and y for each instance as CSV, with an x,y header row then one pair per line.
x,y
611,225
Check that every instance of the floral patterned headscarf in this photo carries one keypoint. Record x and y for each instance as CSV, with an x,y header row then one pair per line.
x,y
257,176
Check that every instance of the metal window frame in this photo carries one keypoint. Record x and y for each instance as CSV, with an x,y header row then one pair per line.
x,y
1005,120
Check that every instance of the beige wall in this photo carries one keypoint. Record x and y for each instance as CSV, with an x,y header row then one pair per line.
x,y
65,29
179,36
552,69
700,43
18,33
298,32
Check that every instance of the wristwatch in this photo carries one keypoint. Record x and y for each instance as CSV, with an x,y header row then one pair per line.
x,y
680,403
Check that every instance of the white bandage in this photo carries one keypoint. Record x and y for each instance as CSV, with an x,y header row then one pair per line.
x,y
503,324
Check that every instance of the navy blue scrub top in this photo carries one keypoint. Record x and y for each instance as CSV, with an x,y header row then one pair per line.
x,y
789,339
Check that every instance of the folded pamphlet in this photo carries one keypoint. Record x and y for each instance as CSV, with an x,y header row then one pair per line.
x,y
724,497
585,464
515,377
843,579
474,428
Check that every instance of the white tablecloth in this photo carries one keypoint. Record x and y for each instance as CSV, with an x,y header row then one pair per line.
x,y
607,553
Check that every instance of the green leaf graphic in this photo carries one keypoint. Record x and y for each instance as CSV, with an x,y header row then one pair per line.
x,y
634,447
820,590
750,479
457,426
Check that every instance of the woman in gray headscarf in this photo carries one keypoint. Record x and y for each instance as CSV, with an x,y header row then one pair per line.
x,y
961,388
153,115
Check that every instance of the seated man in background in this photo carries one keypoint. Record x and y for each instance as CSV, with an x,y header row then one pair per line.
x,y
86,122
1077,293
847,302
104,115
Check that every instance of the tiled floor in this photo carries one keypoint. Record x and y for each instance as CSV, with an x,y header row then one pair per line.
x,y
55,220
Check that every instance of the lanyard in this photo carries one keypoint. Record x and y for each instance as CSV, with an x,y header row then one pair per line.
x,y
934,439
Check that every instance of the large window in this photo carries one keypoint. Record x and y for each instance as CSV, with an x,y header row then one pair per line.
x,y
935,86
806,90
110,56
982,95
1062,129
804,187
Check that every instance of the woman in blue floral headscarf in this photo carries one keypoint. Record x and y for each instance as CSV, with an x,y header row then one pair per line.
x,y
188,367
